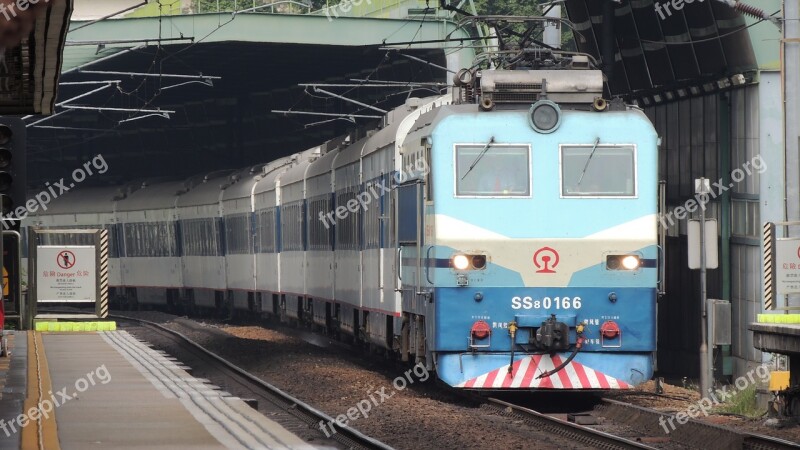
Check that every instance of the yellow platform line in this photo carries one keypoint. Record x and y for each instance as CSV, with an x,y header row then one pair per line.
x,y
778,318
41,431
91,326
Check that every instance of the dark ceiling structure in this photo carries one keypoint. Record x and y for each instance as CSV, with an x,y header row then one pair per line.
x,y
228,124
670,54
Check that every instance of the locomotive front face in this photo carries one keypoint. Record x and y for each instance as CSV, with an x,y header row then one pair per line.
x,y
543,248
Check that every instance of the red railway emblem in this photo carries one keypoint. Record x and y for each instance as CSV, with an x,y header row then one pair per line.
x,y
546,259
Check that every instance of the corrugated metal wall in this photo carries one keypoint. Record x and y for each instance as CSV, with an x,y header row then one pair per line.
x,y
708,136
745,284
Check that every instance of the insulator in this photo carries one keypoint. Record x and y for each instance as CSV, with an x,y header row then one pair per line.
x,y
750,10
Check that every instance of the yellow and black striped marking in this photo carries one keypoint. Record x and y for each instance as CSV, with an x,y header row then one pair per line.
x,y
102,312
769,267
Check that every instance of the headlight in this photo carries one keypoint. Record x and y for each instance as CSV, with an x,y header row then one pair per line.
x,y
468,262
544,116
461,262
622,262
630,262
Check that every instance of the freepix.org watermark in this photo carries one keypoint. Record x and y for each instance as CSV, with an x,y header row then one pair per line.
x,y
718,396
372,191
46,406
376,398
717,189
345,6
43,198
11,10
666,8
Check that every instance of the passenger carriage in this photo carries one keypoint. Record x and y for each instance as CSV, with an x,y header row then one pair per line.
x,y
150,258
239,226
292,239
203,241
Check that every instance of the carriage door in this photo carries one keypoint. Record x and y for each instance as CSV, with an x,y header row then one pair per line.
x,y
408,231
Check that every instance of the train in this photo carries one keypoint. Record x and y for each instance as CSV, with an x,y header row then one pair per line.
x,y
503,234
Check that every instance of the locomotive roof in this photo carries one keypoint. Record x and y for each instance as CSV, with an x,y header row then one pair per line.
x,y
298,171
350,154
387,135
242,186
82,200
427,121
154,196
267,183
323,165
205,193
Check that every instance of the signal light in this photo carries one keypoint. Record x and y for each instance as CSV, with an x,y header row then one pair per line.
x,y
6,133
5,180
5,157
12,170
6,204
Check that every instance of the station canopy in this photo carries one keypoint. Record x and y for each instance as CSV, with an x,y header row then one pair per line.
x,y
171,97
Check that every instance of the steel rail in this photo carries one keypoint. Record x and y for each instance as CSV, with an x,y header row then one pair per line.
x,y
580,433
694,428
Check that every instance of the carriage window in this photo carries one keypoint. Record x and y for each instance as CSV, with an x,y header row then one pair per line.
x,y
496,170
598,171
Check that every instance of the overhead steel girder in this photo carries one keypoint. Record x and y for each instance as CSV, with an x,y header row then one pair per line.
x,y
264,28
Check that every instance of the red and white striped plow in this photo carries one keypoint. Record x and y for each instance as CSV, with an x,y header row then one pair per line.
x,y
523,376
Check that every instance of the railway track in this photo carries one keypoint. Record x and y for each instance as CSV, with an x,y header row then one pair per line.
x,y
262,391
693,434
579,433
649,423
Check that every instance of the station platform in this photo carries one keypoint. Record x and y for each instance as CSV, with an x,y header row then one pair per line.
x,y
107,390
780,338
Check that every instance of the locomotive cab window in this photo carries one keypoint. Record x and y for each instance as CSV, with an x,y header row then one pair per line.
x,y
598,171
492,170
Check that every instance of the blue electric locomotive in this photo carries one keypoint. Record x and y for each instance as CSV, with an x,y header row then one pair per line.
x,y
531,245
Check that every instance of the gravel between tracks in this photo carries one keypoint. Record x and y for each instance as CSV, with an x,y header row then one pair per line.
x,y
334,379
677,399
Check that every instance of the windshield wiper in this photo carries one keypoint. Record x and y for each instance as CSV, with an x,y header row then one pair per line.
x,y
480,155
587,162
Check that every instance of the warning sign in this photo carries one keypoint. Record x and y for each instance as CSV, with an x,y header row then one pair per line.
x,y
66,274
66,259
787,266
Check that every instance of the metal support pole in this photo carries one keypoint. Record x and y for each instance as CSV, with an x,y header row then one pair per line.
x,y
104,108
701,187
309,113
154,75
374,108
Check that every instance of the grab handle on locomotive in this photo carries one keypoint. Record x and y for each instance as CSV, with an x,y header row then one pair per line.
x,y
428,265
